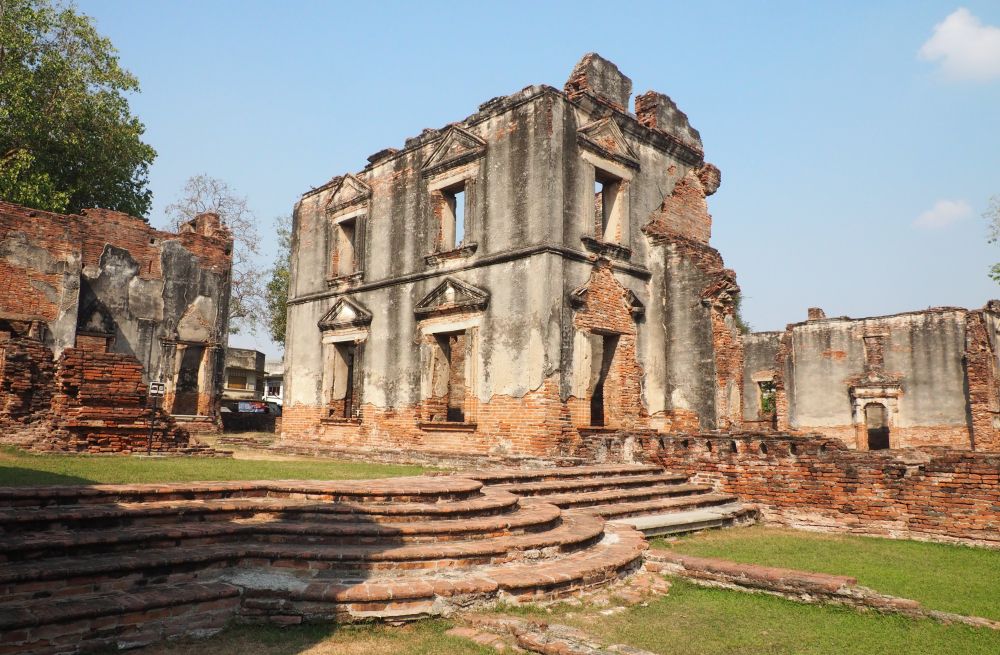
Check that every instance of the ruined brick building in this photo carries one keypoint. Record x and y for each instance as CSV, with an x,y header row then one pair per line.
x,y
540,272
94,306
536,271
925,378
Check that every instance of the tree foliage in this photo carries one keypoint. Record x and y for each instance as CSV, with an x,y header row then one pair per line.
x,y
741,324
992,215
277,286
201,193
68,140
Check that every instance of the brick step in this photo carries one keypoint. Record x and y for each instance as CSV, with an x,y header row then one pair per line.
x,y
110,621
403,489
618,552
607,496
516,476
618,510
310,596
83,517
679,522
124,571
534,518
595,483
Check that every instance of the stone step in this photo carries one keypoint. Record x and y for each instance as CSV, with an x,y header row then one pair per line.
x,y
304,594
618,510
515,476
608,496
81,517
718,516
595,483
575,532
618,552
111,621
402,489
534,518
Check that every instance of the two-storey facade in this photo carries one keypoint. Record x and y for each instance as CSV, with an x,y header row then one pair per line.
x,y
506,283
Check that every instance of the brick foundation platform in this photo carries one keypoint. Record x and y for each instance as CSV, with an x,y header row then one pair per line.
x,y
124,565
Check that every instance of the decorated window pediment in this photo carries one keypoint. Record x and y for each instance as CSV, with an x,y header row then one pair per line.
x,y
578,300
350,192
345,314
456,148
452,295
604,138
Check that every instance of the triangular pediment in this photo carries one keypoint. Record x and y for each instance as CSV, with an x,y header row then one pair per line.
x,y
579,298
343,314
605,138
349,191
451,295
457,147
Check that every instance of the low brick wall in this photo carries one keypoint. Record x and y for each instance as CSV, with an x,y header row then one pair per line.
x,y
817,483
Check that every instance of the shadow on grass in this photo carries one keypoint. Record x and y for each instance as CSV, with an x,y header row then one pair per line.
x,y
20,476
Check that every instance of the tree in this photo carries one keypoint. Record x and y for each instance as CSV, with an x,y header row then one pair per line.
x,y
68,140
992,214
201,193
277,287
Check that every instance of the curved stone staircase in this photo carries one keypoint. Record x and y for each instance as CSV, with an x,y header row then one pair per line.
x,y
118,566
644,496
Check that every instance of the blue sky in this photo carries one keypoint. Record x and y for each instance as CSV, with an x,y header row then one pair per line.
x,y
859,142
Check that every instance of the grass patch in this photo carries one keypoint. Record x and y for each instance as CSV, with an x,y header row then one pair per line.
x,y
18,468
423,638
941,576
692,620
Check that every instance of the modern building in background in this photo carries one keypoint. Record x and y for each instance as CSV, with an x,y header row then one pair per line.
x,y
274,375
244,379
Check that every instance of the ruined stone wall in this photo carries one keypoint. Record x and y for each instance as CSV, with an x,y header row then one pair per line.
x,y
817,483
691,321
107,272
760,364
934,370
108,281
99,406
40,262
26,378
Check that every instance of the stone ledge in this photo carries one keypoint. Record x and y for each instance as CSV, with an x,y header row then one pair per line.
x,y
446,426
801,586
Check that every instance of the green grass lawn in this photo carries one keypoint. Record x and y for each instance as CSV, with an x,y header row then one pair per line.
x,y
692,620
19,469
423,638
952,578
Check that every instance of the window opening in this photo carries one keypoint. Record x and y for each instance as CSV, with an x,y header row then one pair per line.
x,y
452,217
346,242
602,362
607,206
342,367
768,395
877,423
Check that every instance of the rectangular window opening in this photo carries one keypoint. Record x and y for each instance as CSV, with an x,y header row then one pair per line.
x,y
344,400
601,363
449,377
452,217
607,206
768,396
346,241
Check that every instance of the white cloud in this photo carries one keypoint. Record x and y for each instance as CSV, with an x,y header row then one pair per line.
x,y
943,214
965,48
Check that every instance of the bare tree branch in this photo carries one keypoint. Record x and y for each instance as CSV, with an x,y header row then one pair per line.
x,y
202,193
